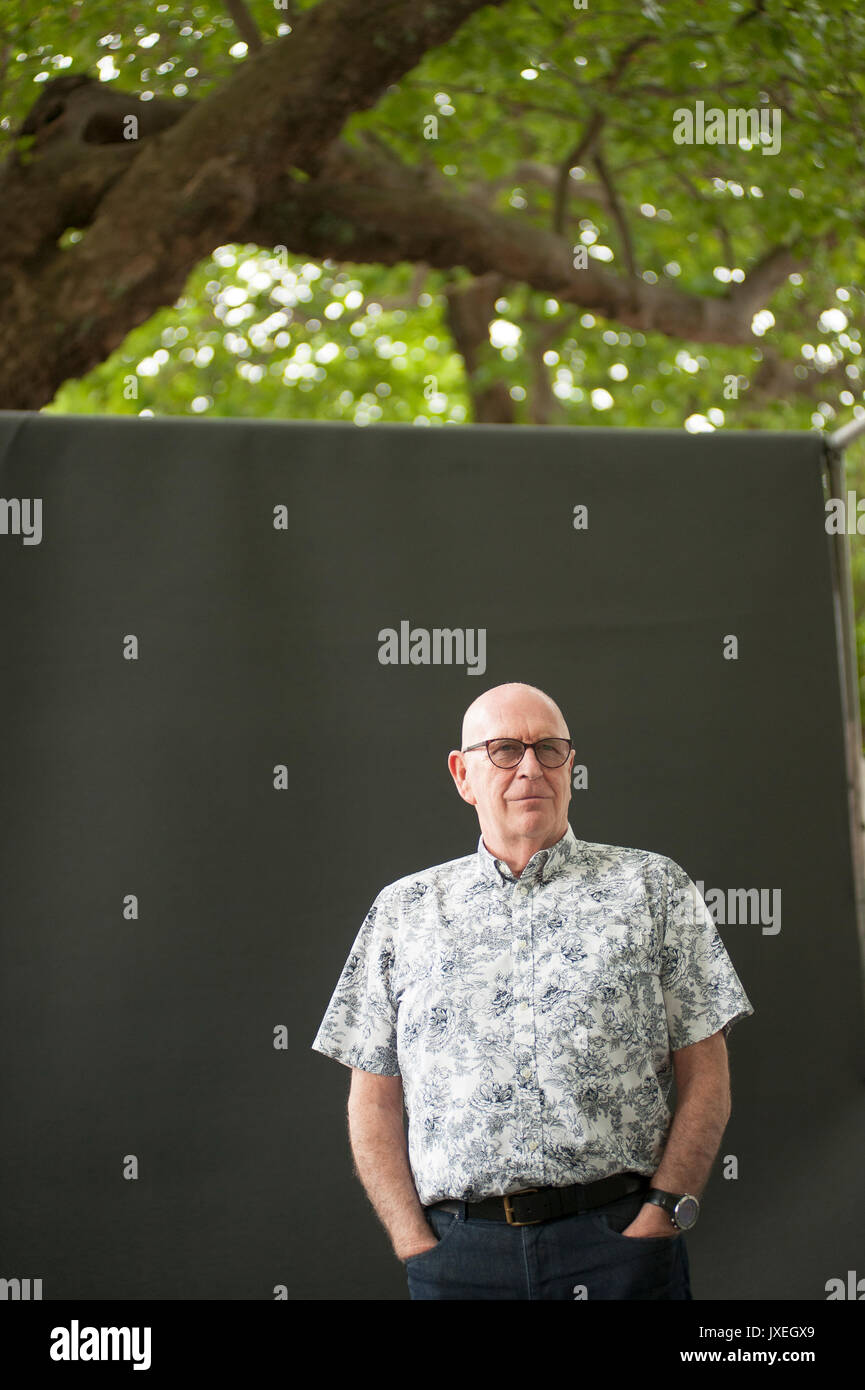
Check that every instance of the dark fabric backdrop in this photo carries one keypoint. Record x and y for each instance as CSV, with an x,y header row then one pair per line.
x,y
154,1036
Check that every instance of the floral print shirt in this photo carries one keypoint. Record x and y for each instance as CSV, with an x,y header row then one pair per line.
x,y
533,1019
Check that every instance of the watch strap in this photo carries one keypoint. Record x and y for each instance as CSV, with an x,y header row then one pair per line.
x,y
667,1200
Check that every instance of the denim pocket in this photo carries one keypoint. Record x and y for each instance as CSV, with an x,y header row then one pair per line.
x,y
615,1217
444,1224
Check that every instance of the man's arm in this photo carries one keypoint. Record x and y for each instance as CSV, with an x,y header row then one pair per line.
x,y
378,1144
702,1110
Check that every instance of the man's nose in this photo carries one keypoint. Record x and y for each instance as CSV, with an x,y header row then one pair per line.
x,y
530,765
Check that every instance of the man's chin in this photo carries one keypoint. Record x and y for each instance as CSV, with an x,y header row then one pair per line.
x,y
535,812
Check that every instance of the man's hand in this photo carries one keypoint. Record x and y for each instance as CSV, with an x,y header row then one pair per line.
x,y
651,1220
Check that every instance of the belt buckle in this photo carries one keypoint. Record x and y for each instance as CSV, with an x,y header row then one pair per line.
x,y
509,1213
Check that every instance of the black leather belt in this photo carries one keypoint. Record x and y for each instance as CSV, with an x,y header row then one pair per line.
x,y
531,1205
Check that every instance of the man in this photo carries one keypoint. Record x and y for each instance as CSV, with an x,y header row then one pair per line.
x,y
529,1005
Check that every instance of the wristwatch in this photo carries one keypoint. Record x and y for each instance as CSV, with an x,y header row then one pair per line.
x,y
683,1209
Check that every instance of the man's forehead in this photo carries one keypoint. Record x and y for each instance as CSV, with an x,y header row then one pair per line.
x,y
510,714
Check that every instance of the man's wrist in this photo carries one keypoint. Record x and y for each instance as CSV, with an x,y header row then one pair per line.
x,y
657,1218
403,1249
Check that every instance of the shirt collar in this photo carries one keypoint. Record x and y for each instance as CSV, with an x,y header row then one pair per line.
x,y
542,866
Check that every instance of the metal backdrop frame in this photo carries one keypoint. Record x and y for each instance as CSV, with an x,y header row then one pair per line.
x,y
845,631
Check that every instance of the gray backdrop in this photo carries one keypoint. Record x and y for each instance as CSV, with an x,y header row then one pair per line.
x,y
153,1035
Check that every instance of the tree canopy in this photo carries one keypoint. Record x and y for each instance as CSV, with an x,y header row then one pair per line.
x,y
479,210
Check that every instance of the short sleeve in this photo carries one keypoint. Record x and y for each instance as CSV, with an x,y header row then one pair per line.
x,y
359,1025
702,992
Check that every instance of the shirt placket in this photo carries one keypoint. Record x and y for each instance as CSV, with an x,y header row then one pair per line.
x,y
527,1096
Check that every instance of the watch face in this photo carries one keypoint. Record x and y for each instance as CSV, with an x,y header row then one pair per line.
x,y
686,1213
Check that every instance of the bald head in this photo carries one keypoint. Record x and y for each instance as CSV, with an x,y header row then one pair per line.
x,y
490,714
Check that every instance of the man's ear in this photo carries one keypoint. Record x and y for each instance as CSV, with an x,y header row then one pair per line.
x,y
459,772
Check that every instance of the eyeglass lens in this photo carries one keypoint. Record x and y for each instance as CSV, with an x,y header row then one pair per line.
x,y
507,752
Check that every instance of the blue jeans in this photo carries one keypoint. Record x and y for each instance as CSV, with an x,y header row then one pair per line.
x,y
584,1256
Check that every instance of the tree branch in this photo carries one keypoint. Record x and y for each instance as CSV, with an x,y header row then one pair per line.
x,y
470,309
762,280
244,24
544,405
588,142
616,212
360,209
581,150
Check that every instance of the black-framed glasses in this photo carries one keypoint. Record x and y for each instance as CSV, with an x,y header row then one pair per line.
x,y
509,752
